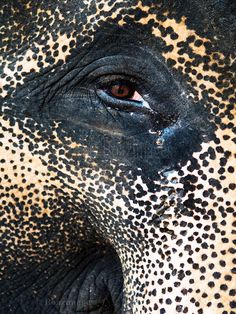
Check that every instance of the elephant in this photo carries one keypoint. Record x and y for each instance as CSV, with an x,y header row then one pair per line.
x,y
117,158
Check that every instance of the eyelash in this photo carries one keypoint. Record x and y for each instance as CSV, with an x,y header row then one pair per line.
x,y
107,82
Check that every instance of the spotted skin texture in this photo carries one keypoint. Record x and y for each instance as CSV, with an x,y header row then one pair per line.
x,y
158,195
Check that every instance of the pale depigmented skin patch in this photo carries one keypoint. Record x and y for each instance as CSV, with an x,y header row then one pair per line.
x,y
186,262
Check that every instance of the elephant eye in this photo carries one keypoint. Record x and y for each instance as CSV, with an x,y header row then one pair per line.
x,y
122,95
123,90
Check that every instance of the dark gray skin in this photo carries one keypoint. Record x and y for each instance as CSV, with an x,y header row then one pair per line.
x,y
115,203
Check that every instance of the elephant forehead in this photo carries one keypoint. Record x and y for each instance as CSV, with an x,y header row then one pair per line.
x,y
52,32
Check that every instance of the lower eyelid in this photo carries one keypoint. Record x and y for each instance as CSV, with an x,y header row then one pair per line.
x,y
139,98
138,102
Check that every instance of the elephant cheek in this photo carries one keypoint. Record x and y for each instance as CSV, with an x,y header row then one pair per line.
x,y
165,274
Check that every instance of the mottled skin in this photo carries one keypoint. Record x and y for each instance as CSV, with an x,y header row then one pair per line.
x,y
105,208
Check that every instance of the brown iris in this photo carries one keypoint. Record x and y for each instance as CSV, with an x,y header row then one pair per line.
x,y
121,90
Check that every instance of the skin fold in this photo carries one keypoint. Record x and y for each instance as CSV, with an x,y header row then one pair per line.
x,y
117,157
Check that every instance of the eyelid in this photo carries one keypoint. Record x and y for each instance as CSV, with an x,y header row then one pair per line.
x,y
124,105
110,79
108,82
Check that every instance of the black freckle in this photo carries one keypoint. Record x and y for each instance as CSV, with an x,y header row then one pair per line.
x,y
216,275
223,287
233,304
64,48
211,284
222,263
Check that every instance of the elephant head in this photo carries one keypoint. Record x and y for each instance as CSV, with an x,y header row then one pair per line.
x,y
117,157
